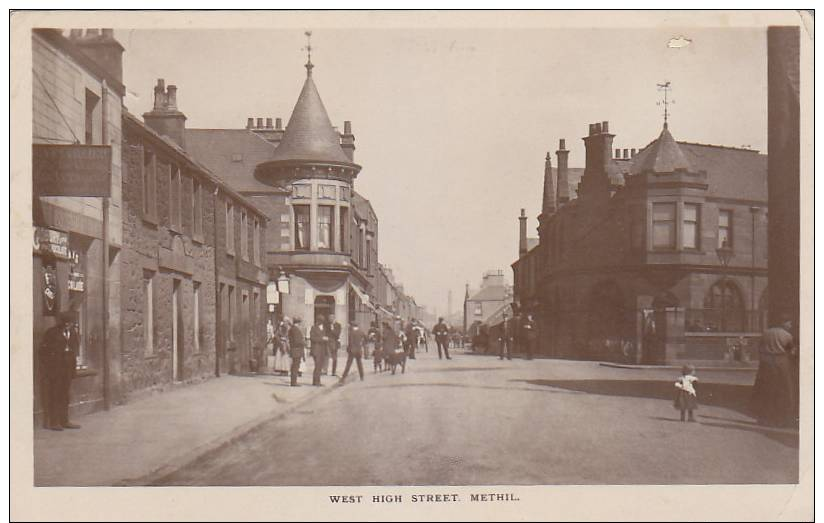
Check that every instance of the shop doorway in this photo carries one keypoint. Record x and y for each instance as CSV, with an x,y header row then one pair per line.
x,y
324,307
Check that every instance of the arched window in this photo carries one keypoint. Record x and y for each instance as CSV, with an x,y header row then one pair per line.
x,y
723,308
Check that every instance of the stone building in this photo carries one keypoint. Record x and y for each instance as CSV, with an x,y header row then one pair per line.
x,y
186,234
76,127
493,294
322,235
660,258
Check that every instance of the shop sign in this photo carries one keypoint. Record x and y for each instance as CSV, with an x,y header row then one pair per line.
x,y
51,242
72,170
51,303
77,280
272,293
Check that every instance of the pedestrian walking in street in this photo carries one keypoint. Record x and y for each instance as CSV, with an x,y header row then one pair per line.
x,y
318,341
506,338
773,394
281,346
529,335
354,351
686,398
297,344
411,339
58,356
441,332
333,329
390,344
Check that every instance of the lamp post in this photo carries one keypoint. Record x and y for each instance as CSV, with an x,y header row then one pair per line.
x,y
275,290
725,255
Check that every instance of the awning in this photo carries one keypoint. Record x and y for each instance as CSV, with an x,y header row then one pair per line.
x,y
364,298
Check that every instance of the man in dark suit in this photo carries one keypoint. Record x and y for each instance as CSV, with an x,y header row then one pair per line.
x,y
318,339
297,345
333,328
441,332
58,357
530,335
506,338
357,340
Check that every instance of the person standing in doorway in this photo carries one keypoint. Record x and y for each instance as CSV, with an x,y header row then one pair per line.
x,y
297,345
529,335
773,394
318,341
441,332
506,338
58,353
357,340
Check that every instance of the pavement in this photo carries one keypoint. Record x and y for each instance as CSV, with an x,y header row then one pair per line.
x,y
478,420
135,443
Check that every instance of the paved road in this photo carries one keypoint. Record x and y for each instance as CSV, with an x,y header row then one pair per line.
x,y
478,420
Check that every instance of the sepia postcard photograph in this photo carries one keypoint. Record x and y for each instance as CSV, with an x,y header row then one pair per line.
x,y
411,265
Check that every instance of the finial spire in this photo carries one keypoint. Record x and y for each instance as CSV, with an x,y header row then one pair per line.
x,y
666,102
308,50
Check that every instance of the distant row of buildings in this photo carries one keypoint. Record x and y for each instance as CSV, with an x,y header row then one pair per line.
x,y
655,256
174,247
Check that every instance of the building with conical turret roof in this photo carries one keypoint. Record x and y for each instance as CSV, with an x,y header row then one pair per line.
x,y
659,257
322,236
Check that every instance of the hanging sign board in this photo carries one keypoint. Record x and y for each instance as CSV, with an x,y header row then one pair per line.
x,y
51,242
71,170
272,293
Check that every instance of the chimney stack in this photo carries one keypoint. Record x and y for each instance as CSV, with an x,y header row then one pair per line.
x,y
102,48
522,244
563,173
347,141
165,118
598,159
260,123
250,123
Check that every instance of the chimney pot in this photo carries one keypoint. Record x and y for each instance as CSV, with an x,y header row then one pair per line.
x,y
268,123
91,32
632,153
597,128
108,33
562,144
605,127
618,153
523,213
75,33
626,153
260,123
161,83
591,129
250,123
278,124
347,127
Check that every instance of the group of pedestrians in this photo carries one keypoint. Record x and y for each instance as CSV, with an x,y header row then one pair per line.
x,y
517,331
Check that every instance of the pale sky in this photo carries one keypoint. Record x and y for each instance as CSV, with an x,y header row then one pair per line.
x,y
452,126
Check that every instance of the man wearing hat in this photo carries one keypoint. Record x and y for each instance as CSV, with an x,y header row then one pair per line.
x,y
296,348
58,357
441,332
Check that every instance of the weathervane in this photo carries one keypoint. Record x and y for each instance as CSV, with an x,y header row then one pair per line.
x,y
308,50
666,88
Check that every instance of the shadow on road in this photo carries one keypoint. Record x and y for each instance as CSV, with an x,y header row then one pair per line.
x,y
465,386
733,397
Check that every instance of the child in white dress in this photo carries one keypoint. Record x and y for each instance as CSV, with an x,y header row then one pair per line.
x,y
686,398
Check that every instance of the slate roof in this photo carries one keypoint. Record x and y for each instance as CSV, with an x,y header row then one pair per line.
x,y
492,293
218,148
664,155
309,134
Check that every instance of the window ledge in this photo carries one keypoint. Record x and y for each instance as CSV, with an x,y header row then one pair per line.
x,y
199,238
231,253
150,220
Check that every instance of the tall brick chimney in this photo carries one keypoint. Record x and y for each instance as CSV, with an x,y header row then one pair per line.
x,y
347,141
101,47
164,118
522,244
598,159
563,172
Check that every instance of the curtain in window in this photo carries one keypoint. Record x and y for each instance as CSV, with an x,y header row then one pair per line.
x,y
325,227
